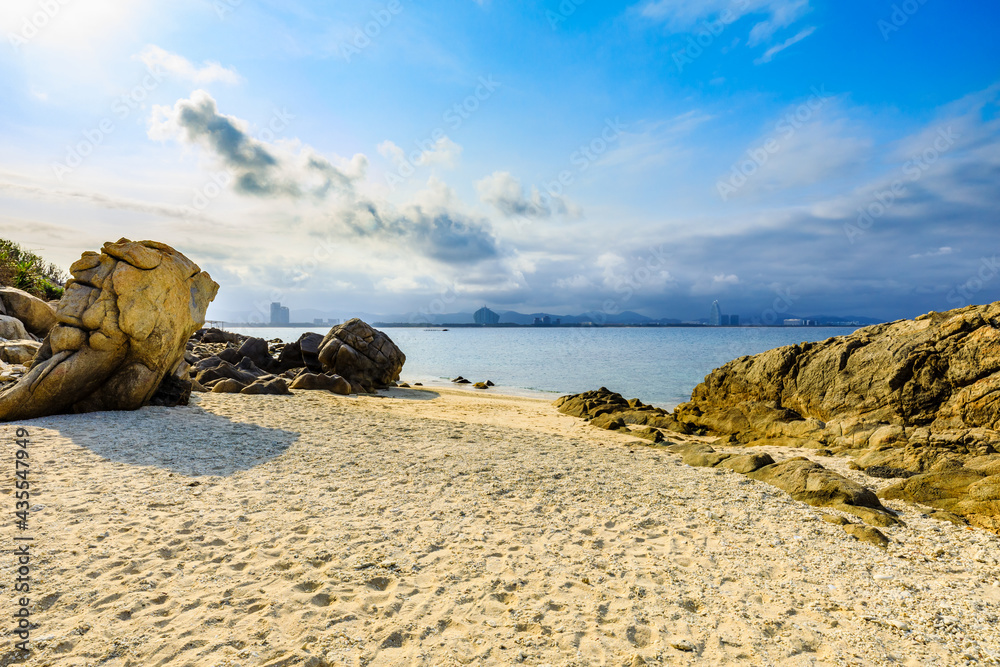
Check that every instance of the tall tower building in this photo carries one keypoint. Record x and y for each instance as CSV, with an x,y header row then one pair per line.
x,y
715,315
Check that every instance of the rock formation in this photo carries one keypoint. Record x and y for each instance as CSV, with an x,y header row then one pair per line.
x,y
361,355
120,328
37,316
914,398
359,360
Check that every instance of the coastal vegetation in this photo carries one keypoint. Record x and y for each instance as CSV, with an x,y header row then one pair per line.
x,y
27,271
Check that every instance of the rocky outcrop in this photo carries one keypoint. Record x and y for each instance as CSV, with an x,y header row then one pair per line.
x,y
607,409
363,356
918,399
121,328
360,359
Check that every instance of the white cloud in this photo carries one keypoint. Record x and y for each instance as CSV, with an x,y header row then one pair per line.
x,y
573,282
444,152
504,192
782,16
686,14
723,279
940,252
775,50
157,59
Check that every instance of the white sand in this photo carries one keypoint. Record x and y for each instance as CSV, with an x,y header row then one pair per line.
x,y
448,527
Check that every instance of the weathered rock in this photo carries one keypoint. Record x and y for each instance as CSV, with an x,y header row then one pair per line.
x,y
123,325
885,472
747,463
919,396
704,459
834,519
228,386
647,433
811,483
867,534
941,515
18,351
11,328
303,353
609,421
461,380
936,489
320,382
224,370
361,355
256,350
592,404
683,448
273,387
938,369
36,315
481,385
213,335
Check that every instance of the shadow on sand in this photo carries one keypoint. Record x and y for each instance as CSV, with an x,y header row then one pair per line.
x,y
185,440
410,394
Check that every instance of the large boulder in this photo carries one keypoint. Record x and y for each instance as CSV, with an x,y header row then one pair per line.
x,y
12,328
303,353
322,382
122,327
361,355
37,316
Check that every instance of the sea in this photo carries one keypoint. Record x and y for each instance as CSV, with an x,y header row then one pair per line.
x,y
659,365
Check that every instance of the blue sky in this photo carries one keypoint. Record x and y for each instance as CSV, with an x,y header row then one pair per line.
x,y
792,155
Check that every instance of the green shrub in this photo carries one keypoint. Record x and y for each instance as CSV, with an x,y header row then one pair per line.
x,y
27,271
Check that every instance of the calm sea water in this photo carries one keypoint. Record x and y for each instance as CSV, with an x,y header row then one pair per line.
x,y
659,365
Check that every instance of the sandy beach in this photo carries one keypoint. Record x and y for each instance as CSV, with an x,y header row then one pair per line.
x,y
448,527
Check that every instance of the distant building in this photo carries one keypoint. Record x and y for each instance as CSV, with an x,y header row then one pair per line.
x,y
486,316
725,321
715,315
794,322
279,313
734,320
